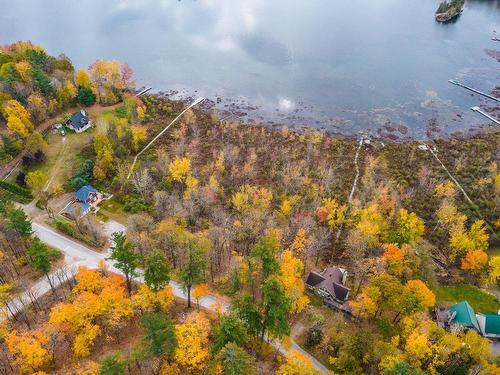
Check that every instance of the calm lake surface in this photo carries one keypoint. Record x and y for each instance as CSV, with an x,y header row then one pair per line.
x,y
343,65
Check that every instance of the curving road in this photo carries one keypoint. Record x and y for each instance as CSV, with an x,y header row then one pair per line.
x,y
79,255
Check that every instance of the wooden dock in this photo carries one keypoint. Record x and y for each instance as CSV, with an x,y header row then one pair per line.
x,y
478,110
142,92
452,81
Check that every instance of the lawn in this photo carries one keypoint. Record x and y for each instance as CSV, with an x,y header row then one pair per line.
x,y
480,301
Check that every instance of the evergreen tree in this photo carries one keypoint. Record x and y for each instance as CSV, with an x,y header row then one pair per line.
x,y
158,333
85,96
112,364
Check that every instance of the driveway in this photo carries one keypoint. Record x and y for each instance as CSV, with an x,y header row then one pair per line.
x,y
112,226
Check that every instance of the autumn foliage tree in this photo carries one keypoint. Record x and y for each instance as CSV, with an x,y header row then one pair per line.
x,y
475,261
29,350
297,363
17,117
192,337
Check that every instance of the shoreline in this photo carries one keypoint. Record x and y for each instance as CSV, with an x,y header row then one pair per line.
x,y
391,130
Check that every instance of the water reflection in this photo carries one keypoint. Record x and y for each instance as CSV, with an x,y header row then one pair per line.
x,y
339,64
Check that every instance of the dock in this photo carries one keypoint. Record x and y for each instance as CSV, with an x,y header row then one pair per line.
x,y
478,110
142,92
452,81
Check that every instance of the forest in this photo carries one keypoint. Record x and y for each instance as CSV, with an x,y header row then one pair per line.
x,y
243,212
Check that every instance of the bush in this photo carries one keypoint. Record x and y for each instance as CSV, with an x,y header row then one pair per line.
x,y
315,334
133,204
64,226
21,179
31,159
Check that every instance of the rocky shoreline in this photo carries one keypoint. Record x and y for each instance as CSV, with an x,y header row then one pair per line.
x,y
228,110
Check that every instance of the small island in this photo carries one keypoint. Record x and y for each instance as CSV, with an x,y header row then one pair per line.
x,y
449,10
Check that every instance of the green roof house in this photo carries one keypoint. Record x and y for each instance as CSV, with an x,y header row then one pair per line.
x,y
489,325
463,314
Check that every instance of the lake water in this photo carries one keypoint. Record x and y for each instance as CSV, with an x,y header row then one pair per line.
x,y
344,65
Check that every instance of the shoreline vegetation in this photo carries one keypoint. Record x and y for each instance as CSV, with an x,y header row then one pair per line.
x,y
448,10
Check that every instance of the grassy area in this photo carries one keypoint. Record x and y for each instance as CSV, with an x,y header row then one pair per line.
x,y
69,228
479,300
113,209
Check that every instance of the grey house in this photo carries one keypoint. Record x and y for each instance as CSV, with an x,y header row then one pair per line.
x,y
329,284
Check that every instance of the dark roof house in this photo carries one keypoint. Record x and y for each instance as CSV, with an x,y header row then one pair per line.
x,y
79,121
329,284
85,199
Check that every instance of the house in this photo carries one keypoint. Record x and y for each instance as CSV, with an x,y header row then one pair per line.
x,y
86,199
489,325
79,121
329,284
463,314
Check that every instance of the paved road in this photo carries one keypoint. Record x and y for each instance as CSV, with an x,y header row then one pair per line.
x,y
78,255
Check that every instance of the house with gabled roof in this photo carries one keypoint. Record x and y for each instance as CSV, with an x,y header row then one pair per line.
x,y
79,121
329,284
86,199
463,314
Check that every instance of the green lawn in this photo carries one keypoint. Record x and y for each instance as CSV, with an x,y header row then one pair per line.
x,y
479,300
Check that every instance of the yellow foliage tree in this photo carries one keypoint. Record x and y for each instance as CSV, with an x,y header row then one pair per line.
x,y
24,70
297,363
494,270
99,303
199,291
180,168
290,277
18,118
331,212
87,280
107,79
140,113
139,134
425,296
252,197
28,350
82,78
372,224
462,242
365,304
417,348
287,205
298,245
192,337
